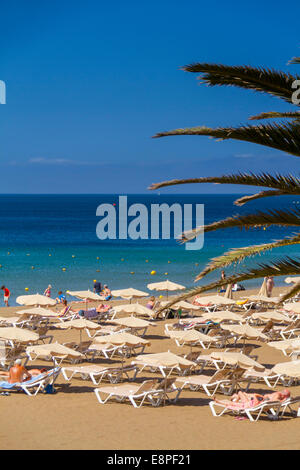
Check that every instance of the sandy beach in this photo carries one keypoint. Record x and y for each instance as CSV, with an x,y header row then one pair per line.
x,y
73,419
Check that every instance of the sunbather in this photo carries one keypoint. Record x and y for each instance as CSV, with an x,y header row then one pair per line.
x,y
103,308
18,373
67,309
250,400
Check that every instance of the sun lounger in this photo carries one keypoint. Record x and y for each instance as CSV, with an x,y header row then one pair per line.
x,y
98,373
34,385
151,391
271,409
223,380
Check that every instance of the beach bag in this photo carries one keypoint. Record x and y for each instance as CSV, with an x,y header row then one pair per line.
x,y
49,389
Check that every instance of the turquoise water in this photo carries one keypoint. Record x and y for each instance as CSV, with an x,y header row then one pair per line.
x,y
42,235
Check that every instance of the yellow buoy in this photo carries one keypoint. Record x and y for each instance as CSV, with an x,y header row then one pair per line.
x,y
73,256
132,272
169,261
97,270
147,261
97,257
50,254
32,267
8,252
26,288
63,269
161,297
166,274
153,272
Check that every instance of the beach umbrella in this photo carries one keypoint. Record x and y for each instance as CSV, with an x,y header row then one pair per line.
x,y
138,309
165,286
288,345
273,316
133,322
223,315
263,299
53,350
289,280
214,300
85,295
245,331
191,337
80,324
36,299
228,293
129,293
18,334
237,359
263,290
182,304
164,359
293,307
122,339
290,369
38,311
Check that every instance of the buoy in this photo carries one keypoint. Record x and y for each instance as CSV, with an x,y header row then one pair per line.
x,y
73,256
97,257
50,254
265,228
26,288
153,272
166,274
63,269
8,252
95,280
27,254
132,272
147,261
169,261
97,270
160,296
122,259
196,264
32,267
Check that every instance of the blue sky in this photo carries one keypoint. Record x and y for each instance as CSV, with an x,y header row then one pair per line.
x,y
88,84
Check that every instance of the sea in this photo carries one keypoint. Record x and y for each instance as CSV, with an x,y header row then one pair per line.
x,y
52,239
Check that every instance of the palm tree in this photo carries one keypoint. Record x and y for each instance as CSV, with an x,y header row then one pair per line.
x,y
282,135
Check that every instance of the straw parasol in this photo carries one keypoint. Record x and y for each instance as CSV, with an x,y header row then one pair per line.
x,y
191,337
237,359
133,308
214,300
290,369
165,286
245,331
133,322
181,304
85,295
53,350
273,316
18,334
36,299
129,293
122,339
223,315
290,280
288,345
38,311
79,324
164,359
263,290
263,299
228,293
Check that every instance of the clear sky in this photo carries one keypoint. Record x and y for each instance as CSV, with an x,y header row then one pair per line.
x,y
89,82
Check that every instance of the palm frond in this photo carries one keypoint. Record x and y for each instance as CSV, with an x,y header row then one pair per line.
x,y
237,255
293,291
285,137
294,60
288,184
259,219
276,115
259,79
241,201
284,267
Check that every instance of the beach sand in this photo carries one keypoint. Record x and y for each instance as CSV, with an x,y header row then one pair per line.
x,y
73,418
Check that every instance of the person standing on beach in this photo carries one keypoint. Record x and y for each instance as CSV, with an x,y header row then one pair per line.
x,y
47,292
97,287
6,295
270,285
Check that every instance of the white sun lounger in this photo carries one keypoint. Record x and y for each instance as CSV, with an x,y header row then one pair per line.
x,y
33,386
98,373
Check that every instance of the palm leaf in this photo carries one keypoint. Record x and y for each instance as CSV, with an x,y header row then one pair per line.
x,y
259,79
293,291
241,201
274,114
294,60
259,219
285,137
289,183
284,267
236,255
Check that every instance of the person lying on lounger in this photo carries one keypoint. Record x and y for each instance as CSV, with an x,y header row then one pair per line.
x,y
67,309
250,400
18,373
103,308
